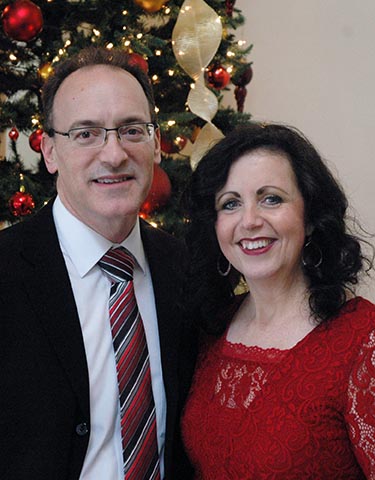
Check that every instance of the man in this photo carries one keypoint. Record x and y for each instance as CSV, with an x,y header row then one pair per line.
x,y
60,415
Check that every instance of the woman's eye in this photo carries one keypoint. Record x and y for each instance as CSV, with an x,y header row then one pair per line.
x,y
272,200
230,205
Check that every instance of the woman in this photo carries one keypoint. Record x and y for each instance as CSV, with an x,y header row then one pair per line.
x,y
285,383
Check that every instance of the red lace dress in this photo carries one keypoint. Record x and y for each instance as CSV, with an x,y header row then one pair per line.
x,y
298,414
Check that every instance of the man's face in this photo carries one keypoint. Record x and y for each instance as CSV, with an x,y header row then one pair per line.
x,y
102,186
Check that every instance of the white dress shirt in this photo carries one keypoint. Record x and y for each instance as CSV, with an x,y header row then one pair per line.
x,y
82,248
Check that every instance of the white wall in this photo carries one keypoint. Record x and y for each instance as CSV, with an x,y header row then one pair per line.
x,y
314,68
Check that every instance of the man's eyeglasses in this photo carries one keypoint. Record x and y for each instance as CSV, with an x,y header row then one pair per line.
x,y
90,137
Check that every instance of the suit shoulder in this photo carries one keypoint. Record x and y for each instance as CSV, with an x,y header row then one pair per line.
x,y
37,232
10,234
160,236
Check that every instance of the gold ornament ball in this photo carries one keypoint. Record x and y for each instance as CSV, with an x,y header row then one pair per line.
x,y
45,71
150,6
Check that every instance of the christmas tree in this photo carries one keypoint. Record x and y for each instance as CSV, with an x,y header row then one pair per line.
x,y
189,50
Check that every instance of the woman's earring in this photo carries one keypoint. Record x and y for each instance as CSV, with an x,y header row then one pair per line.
x,y
312,256
223,273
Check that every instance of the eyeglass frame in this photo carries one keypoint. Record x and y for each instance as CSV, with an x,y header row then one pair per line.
x,y
51,132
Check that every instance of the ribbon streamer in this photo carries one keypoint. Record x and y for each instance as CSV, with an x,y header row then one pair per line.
x,y
195,39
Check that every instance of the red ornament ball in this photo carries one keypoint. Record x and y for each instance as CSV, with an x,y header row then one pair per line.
x,y
174,145
13,134
243,77
21,204
217,77
138,61
22,20
35,140
159,193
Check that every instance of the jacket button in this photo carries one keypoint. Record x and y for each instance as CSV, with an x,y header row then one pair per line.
x,y
82,429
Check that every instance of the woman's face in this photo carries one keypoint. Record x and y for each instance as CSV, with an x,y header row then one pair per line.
x,y
260,218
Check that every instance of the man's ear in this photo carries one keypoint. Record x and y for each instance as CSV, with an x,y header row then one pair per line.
x,y
157,152
48,150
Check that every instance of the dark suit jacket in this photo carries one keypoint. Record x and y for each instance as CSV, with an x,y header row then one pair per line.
x,y
44,386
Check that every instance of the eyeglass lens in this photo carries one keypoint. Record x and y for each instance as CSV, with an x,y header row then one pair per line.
x,y
96,136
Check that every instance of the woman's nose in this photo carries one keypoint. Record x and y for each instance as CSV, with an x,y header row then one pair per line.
x,y
251,216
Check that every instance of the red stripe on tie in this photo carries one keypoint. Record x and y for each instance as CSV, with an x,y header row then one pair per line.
x,y
138,423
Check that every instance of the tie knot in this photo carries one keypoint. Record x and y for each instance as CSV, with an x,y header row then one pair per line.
x,y
118,264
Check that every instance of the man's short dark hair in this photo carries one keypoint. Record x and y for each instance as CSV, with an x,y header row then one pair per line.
x,y
92,56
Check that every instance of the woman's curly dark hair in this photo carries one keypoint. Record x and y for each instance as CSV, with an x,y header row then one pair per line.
x,y
325,206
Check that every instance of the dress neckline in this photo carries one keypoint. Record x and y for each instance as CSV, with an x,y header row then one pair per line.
x,y
272,354
251,352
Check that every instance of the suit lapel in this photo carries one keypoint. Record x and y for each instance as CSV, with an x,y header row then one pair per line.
x,y
47,282
163,261
48,287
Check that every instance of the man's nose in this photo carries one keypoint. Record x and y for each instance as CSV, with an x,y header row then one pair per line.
x,y
114,150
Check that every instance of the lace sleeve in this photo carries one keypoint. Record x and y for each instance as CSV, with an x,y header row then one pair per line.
x,y
361,407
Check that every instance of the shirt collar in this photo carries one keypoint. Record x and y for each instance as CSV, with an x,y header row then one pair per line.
x,y
85,247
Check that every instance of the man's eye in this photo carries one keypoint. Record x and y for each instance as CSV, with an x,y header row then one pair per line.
x,y
132,131
92,132
85,134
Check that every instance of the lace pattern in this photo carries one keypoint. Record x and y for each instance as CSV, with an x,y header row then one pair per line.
x,y
229,380
361,396
240,382
303,413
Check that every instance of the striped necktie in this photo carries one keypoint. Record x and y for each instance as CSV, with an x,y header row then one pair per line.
x,y
137,407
